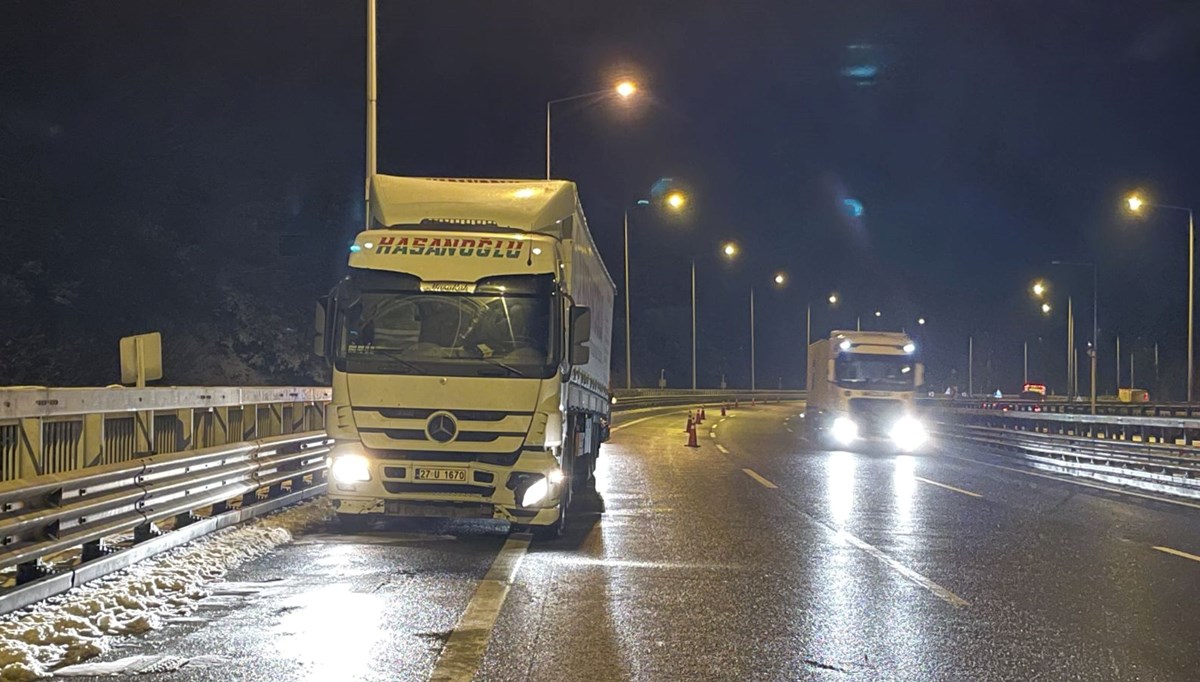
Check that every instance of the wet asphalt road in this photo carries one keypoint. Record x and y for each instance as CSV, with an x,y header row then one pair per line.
x,y
753,557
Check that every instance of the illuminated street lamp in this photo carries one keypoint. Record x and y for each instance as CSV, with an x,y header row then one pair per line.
x,y
920,320
729,250
832,300
624,90
675,201
779,279
1136,203
1045,308
1039,288
878,313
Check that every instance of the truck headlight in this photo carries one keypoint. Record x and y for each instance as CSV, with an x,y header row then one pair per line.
x,y
908,433
535,493
350,468
845,430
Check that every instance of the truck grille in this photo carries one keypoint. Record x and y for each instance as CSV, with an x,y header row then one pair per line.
x,y
875,416
396,487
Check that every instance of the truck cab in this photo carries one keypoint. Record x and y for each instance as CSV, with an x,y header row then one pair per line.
x,y
469,348
862,390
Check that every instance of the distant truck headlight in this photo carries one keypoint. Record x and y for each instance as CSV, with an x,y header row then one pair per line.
x,y
844,430
908,433
350,469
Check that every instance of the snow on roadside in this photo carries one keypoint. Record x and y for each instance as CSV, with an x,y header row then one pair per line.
x,y
80,624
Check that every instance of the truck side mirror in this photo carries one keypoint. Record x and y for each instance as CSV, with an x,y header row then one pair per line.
x,y
319,326
919,374
581,333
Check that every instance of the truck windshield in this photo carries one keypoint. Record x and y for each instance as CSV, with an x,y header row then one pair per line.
x,y
862,370
504,328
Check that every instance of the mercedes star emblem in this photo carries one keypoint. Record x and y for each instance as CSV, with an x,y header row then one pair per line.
x,y
441,427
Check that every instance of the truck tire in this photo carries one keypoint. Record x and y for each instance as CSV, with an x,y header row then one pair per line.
x,y
555,530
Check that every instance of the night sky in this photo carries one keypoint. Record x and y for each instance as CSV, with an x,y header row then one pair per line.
x,y
198,166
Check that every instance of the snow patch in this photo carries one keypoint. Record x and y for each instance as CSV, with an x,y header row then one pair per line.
x,y
78,625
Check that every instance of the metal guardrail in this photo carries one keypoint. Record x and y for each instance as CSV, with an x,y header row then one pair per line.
x,y
1103,407
55,430
1153,452
48,514
91,464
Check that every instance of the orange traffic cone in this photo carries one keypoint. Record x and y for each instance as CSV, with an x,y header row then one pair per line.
x,y
692,438
722,409
691,424
735,403
703,416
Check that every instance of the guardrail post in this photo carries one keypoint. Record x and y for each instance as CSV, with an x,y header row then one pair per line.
x,y
29,449
187,425
31,571
91,449
143,433
144,532
220,426
94,550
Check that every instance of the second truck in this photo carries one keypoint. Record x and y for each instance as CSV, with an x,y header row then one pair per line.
x,y
862,389
469,346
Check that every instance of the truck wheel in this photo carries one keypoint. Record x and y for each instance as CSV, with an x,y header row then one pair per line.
x,y
353,523
555,530
551,532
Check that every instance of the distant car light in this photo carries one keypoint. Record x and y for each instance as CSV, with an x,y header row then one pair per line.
x,y
910,347
350,469
844,430
908,433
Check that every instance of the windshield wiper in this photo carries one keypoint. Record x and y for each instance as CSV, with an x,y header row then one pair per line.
x,y
394,356
512,370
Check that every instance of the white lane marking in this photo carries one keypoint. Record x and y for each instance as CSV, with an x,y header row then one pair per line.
x,y
1176,552
941,592
947,487
465,647
789,430
760,479
1074,481
724,450
712,434
618,427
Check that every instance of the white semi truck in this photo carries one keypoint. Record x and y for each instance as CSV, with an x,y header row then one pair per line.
x,y
862,388
469,347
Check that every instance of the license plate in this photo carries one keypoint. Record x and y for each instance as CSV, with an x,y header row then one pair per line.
x,y
441,474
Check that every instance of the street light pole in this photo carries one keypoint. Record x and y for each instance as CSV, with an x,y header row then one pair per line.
x,y
752,373
1025,374
1071,348
1136,204
372,125
624,89
970,365
693,324
628,335
1095,349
